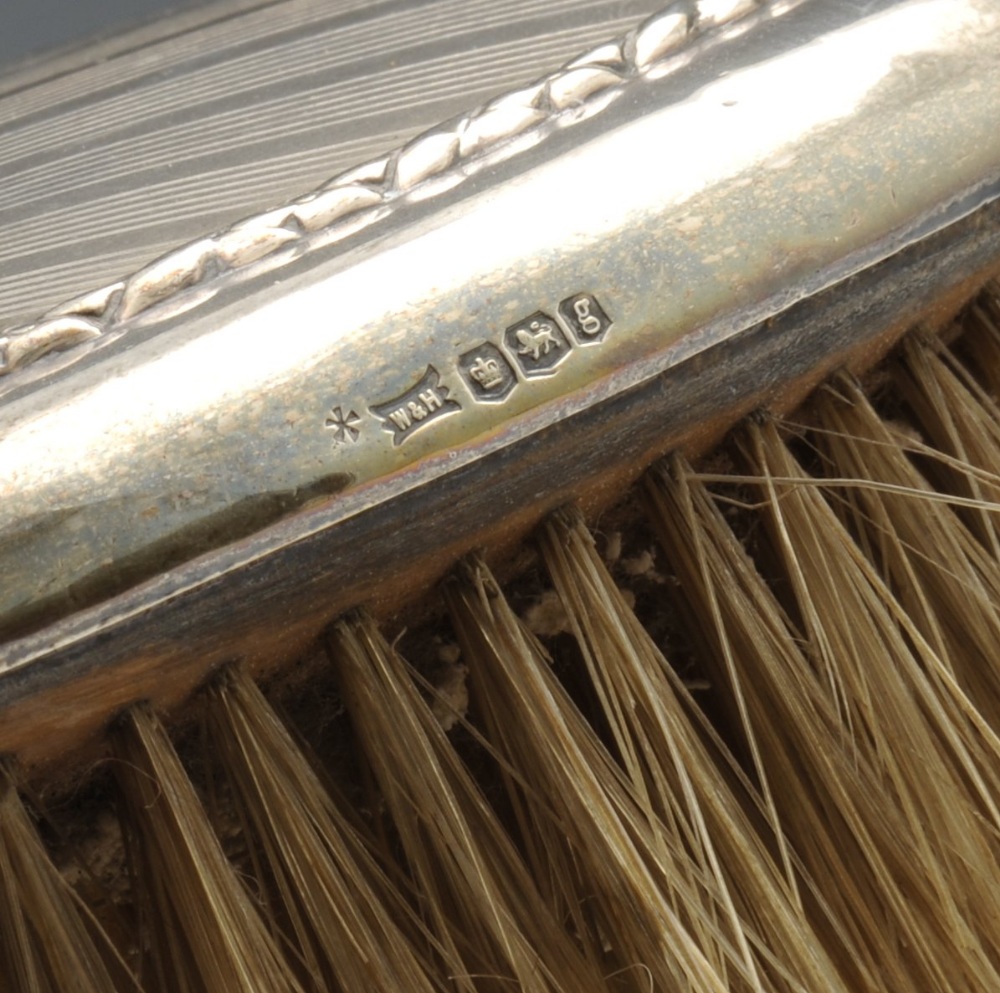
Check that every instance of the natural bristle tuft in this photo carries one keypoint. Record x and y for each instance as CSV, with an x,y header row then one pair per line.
x,y
348,922
48,941
898,713
203,929
488,917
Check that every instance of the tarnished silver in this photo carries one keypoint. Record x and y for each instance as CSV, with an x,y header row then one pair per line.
x,y
558,247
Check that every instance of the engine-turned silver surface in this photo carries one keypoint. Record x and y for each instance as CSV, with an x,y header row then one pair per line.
x,y
112,157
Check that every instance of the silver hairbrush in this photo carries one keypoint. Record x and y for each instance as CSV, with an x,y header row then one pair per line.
x,y
326,402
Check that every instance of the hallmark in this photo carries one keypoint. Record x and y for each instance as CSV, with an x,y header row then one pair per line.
x,y
428,400
585,317
489,375
537,344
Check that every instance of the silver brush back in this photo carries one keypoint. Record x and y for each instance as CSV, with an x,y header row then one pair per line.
x,y
327,402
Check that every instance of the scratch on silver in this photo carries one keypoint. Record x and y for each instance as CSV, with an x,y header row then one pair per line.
x,y
360,196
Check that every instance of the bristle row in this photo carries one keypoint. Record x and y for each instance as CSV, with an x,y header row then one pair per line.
x,y
48,942
586,826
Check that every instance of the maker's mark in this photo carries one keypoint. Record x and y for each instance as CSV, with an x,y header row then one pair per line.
x,y
423,403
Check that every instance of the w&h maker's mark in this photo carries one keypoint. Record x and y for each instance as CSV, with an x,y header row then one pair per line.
x,y
428,400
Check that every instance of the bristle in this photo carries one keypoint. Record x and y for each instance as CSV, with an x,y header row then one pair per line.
x,y
899,713
685,784
204,932
962,421
508,663
478,895
647,882
47,940
874,899
947,582
344,914
983,321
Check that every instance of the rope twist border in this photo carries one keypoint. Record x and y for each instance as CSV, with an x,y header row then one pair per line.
x,y
360,196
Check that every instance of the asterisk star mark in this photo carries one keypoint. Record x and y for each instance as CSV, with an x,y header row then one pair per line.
x,y
343,425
